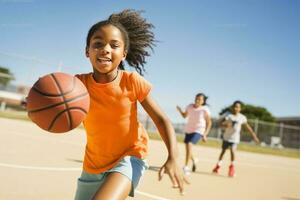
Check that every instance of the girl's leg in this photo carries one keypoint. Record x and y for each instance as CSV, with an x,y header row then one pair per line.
x,y
192,158
115,187
218,165
222,154
189,153
188,156
190,145
231,171
195,160
232,153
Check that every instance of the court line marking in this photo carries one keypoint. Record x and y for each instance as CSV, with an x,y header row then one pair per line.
x,y
70,169
201,160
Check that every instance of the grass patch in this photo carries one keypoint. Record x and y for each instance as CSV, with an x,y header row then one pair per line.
x,y
268,150
14,115
213,143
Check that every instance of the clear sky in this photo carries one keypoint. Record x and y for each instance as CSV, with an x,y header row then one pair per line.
x,y
246,50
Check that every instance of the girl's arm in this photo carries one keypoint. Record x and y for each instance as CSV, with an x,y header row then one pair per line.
x,y
167,133
248,127
183,114
208,126
226,124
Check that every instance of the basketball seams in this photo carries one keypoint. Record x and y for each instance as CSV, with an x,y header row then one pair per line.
x,y
62,112
70,100
54,95
66,104
57,102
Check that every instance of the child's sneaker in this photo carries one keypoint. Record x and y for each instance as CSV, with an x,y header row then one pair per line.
x,y
186,170
231,172
216,169
195,161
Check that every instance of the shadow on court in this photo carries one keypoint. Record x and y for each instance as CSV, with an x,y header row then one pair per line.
x,y
210,174
74,160
290,198
155,168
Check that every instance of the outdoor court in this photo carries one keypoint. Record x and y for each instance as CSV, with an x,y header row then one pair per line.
x,y
36,165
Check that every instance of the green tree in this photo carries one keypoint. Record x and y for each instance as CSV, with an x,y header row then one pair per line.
x,y
253,112
5,76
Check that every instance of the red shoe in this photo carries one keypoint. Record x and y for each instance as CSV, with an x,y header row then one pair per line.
x,y
231,172
216,169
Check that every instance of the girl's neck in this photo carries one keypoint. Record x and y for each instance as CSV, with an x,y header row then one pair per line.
x,y
197,106
105,78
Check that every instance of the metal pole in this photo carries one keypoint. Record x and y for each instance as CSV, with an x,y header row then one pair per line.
x,y
281,131
3,106
256,121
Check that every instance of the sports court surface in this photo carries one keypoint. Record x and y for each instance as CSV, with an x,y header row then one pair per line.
x,y
37,165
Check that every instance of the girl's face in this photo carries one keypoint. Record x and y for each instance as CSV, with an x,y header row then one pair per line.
x,y
199,100
106,49
237,108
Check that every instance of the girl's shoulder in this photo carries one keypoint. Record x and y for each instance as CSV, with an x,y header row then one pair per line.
x,y
206,110
190,106
242,117
135,78
131,75
141,87
83,77
226,115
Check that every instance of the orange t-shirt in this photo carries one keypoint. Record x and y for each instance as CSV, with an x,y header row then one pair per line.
x,y
112,126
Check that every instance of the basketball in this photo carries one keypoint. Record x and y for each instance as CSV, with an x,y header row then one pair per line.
x,y
58,102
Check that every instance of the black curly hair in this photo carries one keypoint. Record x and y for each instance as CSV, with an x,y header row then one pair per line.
x,y
204,97
238,102
137,34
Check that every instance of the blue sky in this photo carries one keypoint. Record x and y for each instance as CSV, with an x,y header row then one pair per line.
x,y
247,50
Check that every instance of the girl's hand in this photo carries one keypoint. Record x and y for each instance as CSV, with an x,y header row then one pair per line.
x,y
24,103
175,173
178,108
204,138
256,140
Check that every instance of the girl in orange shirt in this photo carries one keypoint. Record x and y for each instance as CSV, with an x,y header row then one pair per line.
x,y
116,141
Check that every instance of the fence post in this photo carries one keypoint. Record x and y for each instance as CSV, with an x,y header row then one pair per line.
x,y
3,106
281,125
256,122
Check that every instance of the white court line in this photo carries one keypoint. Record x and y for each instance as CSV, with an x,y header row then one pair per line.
x,y
202,160
69,169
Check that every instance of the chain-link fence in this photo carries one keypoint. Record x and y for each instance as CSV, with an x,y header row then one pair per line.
x,y
270,134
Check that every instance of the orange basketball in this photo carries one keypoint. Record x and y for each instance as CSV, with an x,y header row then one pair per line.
x,y
58,102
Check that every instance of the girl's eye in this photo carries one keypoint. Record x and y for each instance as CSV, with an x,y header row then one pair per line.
x,y
97,45
115,45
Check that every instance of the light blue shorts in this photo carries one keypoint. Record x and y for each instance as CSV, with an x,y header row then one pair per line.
x,y
130,166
